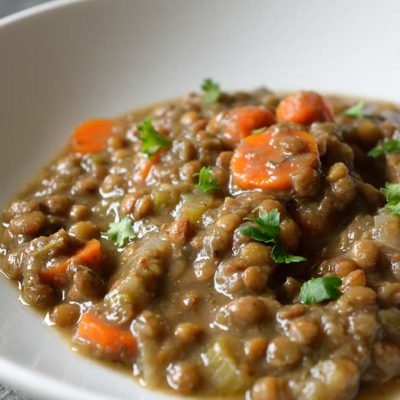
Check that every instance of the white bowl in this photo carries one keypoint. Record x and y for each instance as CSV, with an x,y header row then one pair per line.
x,y
66,61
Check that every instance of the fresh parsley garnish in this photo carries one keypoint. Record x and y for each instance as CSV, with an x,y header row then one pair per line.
x,y
319,289
151,140
392,194
258,131
358,112
211,91
280,256
207,181
390,146
121,232
267,232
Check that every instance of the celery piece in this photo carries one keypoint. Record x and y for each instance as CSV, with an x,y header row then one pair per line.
x,y
194,206
165,196
223,369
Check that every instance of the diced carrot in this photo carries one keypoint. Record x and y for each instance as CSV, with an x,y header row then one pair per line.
x,y
304,108
261,161
143,167
90,255
91,136
55,275
239,122
111,341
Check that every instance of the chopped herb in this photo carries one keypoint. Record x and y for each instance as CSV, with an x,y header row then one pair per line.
x,y
152,141
319,289
280,256
258,131
390,146
121,232
211,91
267,232
358,112
207,181
392,194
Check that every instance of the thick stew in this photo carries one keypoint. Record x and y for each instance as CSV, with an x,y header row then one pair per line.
x,y
243,244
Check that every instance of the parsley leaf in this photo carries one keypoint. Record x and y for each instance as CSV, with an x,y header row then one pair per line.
x,y
280,256
121,232
207,182
267,232
151,140
357,112
268,224
211,91
390,146
258,131
392,194
319,289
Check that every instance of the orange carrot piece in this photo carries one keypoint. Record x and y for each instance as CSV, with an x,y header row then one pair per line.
x,y
55,275
144,166
91,136
113,342
239,122
259,162
304,108
90,255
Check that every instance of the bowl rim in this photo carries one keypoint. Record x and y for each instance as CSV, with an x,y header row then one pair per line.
x,y
34,383
35,10
11,372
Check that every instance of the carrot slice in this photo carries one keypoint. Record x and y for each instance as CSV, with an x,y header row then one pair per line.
x,y
90,255
91,136
239,122
304,108
111,341
264,162
144,166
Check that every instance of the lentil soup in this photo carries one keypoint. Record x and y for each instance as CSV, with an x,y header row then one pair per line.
x,y
223,244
